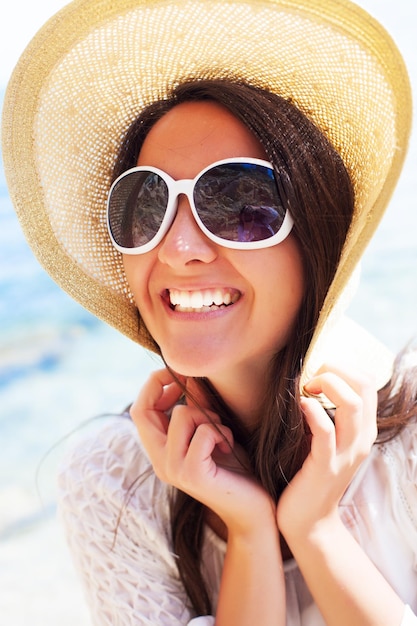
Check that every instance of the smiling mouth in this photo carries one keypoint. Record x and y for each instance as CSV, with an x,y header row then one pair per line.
x,y
202,301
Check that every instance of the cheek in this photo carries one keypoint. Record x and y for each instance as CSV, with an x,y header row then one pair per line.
x,y
287,277
287,270
296,277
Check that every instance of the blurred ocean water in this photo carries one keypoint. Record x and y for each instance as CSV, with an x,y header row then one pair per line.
x,y
59,367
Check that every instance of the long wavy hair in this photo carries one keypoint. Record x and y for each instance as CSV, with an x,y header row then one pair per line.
x,y
319,192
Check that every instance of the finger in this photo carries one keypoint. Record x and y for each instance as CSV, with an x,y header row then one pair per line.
x,y
184,422
148,412
355,416
160,392
363,383
337,389
348,416
323,436
207,441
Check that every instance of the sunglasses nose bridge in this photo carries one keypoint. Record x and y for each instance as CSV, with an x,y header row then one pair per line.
x,y
182,187
183,239
178,188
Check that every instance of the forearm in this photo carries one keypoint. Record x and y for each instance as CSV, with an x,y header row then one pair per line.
x,y
252,586
345,584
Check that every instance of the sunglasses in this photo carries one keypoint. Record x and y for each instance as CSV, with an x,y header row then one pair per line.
x,y
238,203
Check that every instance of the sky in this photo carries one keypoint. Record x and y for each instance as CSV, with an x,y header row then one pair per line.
x,y
19,21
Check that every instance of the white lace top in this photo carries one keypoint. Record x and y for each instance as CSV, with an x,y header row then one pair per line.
x,y
130,575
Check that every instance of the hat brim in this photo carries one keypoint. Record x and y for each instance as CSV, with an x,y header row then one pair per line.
x,y
92,68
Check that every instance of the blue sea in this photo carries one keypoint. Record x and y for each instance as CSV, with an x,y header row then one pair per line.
x,y
59,367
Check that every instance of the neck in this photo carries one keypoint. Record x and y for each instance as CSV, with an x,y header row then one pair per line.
x,y
243,392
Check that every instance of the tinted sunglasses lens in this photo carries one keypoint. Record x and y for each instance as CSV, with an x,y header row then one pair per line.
x,y
239,202
136,207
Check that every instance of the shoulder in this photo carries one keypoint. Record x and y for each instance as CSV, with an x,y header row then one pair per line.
x,y
381,512
400,453
385,487
399,458
109,453
115,513
107,476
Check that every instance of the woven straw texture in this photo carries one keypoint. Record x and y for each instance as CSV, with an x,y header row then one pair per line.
x,y
92,68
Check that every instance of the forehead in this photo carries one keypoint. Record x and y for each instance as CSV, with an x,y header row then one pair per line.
x,y
193,135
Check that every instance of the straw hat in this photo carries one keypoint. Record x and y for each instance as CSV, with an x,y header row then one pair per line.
x,y
91,69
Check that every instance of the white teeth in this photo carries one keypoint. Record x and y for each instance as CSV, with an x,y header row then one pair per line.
x,y
218,297
202,300
174,296
207,298
196,300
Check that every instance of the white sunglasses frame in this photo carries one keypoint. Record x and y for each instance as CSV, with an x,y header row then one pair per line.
x,y
186,187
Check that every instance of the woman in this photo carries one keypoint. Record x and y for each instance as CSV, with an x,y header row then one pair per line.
x,y
232,461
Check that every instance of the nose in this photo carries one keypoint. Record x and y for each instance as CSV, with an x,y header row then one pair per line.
x,y
185,242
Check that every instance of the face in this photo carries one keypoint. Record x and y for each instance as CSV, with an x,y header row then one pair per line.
x,y
214,312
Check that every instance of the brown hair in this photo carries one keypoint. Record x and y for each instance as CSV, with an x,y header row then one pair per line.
x,y
321,198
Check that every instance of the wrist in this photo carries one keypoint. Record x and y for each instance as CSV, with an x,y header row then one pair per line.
x,y
315,533
257,529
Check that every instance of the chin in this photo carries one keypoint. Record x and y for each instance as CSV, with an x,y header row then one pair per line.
x,y
199,366
189,370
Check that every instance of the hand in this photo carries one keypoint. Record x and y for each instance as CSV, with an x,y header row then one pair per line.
x,y
337,450
193,451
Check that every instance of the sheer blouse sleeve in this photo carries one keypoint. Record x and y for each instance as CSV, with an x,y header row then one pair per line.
x,y
116,515
380,510
409,618
401,457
